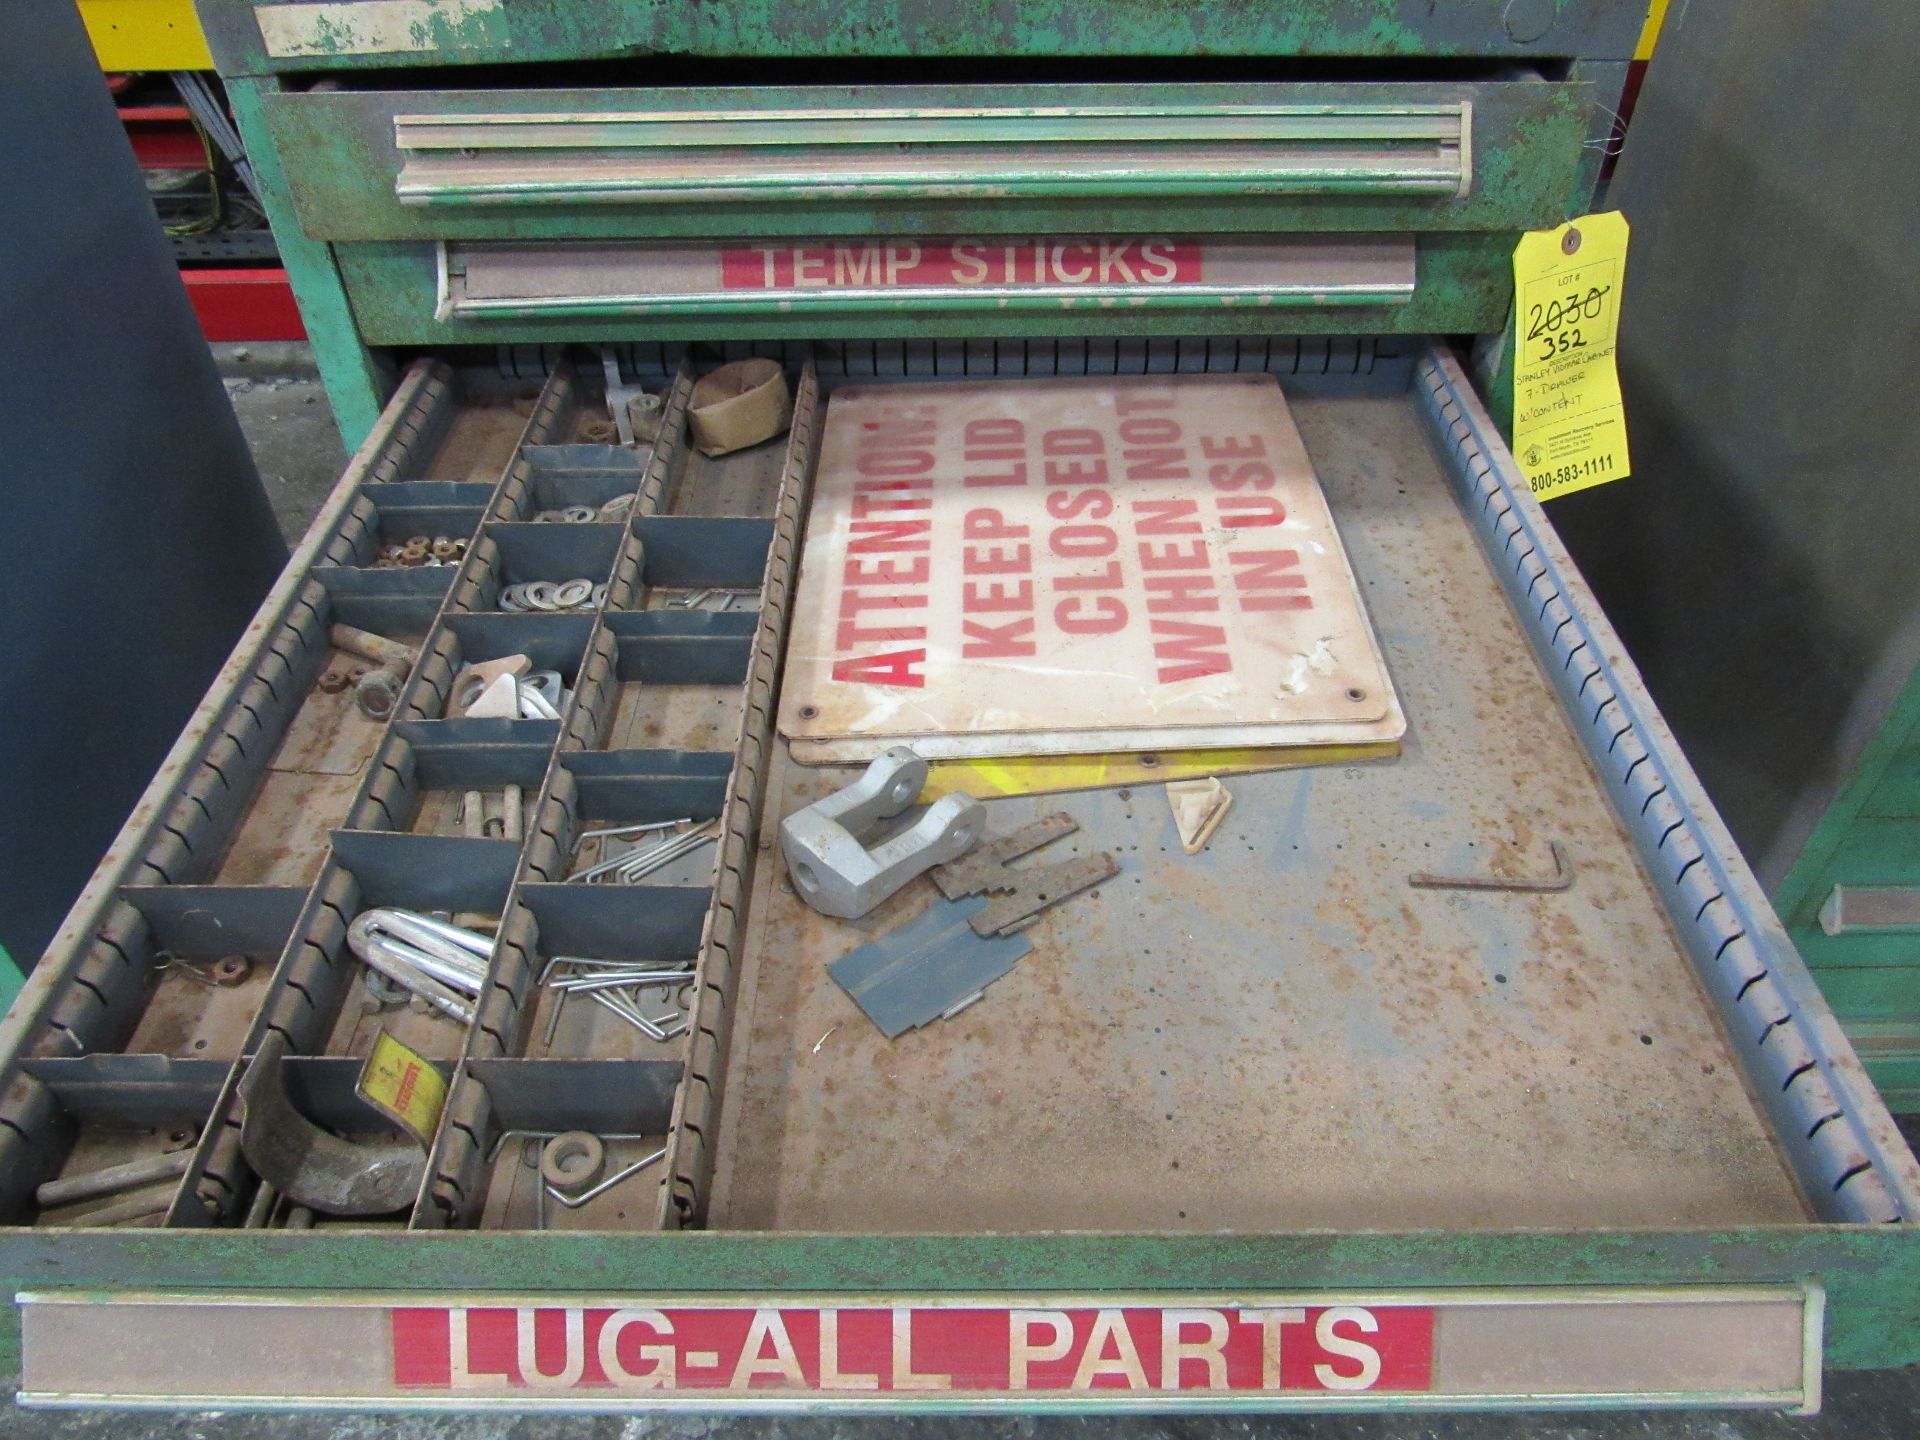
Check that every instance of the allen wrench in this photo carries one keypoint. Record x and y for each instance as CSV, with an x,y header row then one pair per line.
x,y
1561,879
576,1201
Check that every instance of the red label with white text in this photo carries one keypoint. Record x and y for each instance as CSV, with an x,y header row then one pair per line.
x,y
912,264
1744,1345
915,1350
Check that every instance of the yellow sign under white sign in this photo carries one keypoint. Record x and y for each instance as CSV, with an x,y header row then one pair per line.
x,y
1569,429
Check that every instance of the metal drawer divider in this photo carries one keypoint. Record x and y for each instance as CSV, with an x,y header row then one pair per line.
x,y
459,1148
216,1178
690,1155
455,1185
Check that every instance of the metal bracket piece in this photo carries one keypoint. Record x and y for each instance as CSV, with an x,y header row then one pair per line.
x,y
985,868
930,968
1019,895
838,875
315,1167
1040,887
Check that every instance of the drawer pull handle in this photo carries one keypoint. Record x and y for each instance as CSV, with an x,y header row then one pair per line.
x,y
692,157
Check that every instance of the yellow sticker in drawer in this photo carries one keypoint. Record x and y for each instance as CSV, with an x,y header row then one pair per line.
x,y
1569,430
402,1086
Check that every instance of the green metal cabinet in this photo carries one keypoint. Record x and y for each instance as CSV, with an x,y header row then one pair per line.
x,y
1614,1133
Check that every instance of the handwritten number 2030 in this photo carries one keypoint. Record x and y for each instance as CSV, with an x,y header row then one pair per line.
x,y
1556,325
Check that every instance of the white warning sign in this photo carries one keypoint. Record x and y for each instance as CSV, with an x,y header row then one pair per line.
x,y
1004,567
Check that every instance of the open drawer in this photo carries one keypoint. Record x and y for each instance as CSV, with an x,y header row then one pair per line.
x,y
1260,1127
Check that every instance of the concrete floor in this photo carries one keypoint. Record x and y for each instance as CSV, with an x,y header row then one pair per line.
x,y
277,394
283,411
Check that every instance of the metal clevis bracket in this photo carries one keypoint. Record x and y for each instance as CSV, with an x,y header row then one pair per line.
x,y
836,873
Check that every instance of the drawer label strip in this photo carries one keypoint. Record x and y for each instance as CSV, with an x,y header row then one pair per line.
x,y
1739,1345
485,281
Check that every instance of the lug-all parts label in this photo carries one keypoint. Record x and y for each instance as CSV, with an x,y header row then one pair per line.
x,y
1721,1345
1569,428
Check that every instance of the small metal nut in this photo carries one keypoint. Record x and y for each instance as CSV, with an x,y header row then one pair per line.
x,y
381,990
644,413
573,1159
443,548
230,969
377,693
332,682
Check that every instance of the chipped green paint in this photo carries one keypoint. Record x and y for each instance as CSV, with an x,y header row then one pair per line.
x,y
545,30
357,382
386,28
1872,1273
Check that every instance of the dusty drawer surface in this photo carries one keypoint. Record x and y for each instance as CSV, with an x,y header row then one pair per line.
x,y
1281,1032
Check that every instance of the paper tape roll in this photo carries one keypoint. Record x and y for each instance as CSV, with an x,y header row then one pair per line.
x,y
738,405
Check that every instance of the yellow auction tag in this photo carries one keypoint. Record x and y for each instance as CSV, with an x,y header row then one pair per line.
x,y
1569,430
403,1087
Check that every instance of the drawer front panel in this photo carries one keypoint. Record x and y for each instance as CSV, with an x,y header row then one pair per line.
x,y
425,294
594,164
